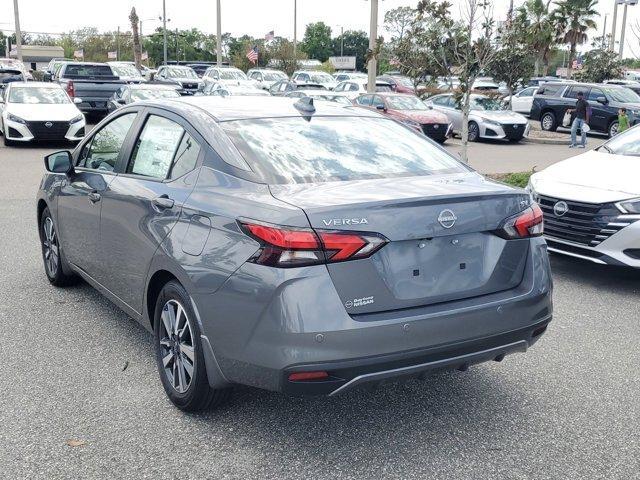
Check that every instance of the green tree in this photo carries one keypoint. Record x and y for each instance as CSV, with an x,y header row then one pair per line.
x,y
535,22
354,43
317,42
513,63
601,64
574,18
281,55
398,22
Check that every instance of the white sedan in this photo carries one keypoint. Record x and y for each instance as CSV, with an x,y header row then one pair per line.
x,y
39,111
591,202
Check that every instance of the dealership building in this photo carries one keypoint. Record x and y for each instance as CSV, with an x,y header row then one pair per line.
x,y
37,57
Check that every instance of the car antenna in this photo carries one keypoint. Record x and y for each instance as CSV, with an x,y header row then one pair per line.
x,y
305,106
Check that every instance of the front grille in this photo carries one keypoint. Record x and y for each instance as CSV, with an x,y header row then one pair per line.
x,y
435,130
189,86
513,130
55,130
587,224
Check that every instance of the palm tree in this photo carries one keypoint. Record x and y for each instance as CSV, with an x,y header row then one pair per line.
x,y
137,48
537,24
574,18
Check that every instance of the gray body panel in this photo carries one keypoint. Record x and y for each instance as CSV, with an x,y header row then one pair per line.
x,y
261,321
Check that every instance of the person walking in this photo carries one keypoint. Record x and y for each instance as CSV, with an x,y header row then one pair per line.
x,y
581,119
623,120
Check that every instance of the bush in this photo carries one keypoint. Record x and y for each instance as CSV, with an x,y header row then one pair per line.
x,y
516,179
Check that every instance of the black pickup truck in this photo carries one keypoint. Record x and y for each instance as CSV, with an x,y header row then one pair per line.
x,y
94,83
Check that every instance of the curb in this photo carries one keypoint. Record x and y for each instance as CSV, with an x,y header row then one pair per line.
x,y
546,141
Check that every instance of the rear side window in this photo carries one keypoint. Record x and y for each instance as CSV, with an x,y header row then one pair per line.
x,y
364,100
550,89
162,148
595,93
572,92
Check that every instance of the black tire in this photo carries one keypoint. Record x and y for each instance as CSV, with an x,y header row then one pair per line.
x,y
515,140
55,265
7,142
473,132
612,130
190,393
548,122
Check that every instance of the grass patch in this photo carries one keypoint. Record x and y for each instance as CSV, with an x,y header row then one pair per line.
x,y
517,179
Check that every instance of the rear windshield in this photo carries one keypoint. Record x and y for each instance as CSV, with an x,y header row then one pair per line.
x,y
323,149
89,70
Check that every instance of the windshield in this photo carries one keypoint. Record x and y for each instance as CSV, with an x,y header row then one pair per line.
x,y
126,71
625,143
181,73
151,93
273,76
323,149
232,75
406,103
486,103
38,95
88,70
404,81
623,95
321,78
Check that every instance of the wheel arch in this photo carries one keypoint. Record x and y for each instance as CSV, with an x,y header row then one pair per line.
x,y
158,280
42,204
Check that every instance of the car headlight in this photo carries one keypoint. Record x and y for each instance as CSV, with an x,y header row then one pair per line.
x,y
491,122
77,119
629,206
13,118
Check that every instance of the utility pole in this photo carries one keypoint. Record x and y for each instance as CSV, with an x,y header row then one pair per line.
x,y
624,24
342,41
219,35
177,51
613,26
16,14
118,45
164,28
373,35
295,30
604,32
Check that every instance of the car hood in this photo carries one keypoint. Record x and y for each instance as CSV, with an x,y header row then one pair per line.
x,y
40,113
501,116
246,83
593,177
188,80
422,116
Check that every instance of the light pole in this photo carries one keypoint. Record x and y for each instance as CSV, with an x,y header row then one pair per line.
x,y
372,66
613,25
604,32
164,29
218,35
295,29
16,14
624,23
341,41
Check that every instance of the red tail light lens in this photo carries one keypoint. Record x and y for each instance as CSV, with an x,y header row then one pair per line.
x,y
527,223
71,91
287,247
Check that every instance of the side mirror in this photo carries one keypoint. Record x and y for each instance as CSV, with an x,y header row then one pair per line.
x,y
602,100
59,162
121,101
381,107
77,100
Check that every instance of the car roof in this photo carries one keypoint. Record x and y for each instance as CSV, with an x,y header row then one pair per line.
x,y
229,108
394,94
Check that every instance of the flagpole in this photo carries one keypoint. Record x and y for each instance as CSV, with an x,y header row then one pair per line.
x,y
218,35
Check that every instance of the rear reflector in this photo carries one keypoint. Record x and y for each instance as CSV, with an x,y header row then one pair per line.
x,y
289,247
527,223
302,376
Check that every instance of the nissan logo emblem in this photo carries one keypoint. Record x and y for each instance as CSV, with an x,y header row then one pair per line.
x,y
560,208
447,218
48,124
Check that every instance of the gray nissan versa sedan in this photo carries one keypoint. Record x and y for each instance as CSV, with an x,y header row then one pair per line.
x,y
294,247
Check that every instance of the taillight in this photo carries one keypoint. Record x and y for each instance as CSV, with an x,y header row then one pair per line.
x,y
297,247
527,223
71,91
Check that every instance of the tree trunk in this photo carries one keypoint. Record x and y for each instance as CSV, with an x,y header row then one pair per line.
x,y
536,67
137,48
572,54
465,126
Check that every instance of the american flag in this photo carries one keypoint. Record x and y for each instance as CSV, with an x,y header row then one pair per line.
x,y
269,36
252,54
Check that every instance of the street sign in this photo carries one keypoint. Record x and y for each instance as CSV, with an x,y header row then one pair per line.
x,y
343,63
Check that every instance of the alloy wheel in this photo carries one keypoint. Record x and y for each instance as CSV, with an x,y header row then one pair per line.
x,y
547,122
50,247
177,345
473,132
613,129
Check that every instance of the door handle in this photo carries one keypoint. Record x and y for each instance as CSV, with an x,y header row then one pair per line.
x,y
94,197
163,202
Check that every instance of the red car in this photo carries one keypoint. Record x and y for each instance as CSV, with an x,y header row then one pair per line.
x,y
399,83
411,111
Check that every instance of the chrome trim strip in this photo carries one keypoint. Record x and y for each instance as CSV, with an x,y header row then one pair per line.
x,y
475,357
570,254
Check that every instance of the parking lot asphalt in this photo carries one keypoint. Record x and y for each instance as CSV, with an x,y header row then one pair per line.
x,y
78,371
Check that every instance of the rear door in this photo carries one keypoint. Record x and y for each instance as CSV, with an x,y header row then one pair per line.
x,y
145,200
80,199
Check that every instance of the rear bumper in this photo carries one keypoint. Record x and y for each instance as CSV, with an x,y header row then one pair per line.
x,y
348,375
265,323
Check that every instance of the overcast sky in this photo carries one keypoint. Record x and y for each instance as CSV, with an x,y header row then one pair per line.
x,y
254,17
